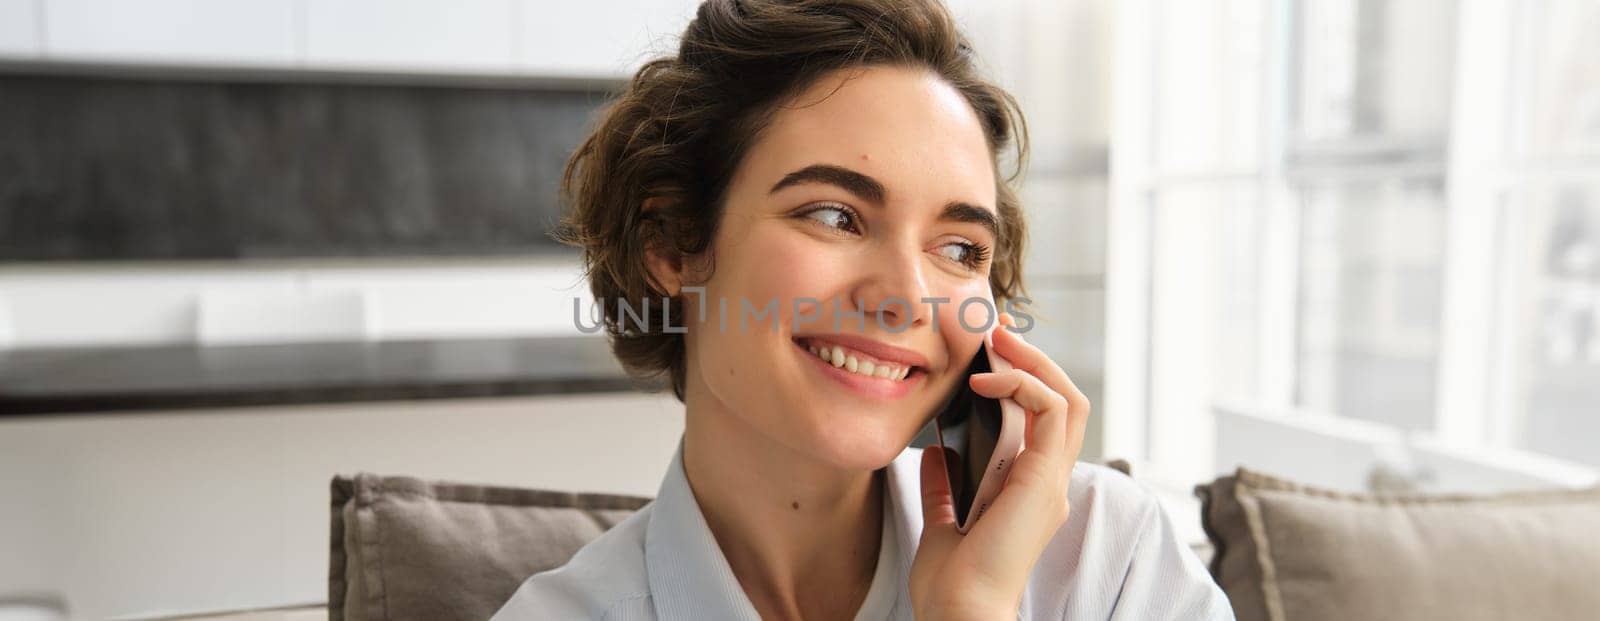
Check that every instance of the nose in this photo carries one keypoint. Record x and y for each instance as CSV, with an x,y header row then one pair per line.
x,y
894,285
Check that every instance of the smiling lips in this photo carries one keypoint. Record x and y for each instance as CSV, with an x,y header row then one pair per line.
x,y
855,361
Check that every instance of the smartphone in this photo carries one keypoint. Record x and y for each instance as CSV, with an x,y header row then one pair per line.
x,y
985,434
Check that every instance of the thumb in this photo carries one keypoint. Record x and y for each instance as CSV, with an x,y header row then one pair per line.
x,y
939,536
938,508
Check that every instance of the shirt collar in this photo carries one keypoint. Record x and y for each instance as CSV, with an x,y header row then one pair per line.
x,y
691,579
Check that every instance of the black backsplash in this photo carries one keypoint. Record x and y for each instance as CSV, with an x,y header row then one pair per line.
x,y
107,168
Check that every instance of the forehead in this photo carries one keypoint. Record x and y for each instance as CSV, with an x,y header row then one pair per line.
x,y
907,128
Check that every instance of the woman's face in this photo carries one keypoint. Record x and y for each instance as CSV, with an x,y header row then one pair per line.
x,y
868,192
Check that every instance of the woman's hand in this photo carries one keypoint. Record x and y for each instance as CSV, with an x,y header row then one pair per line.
x,y
981,575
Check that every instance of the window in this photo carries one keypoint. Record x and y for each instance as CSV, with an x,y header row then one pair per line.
x,y
1552,319
1367,222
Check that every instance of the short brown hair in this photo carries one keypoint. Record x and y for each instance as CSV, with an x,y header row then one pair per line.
x,y
679,129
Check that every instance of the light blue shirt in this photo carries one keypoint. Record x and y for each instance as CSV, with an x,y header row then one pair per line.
x,y
1116,557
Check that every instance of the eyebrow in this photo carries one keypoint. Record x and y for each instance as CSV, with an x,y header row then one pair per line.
x,y
966,212
852,181
870,189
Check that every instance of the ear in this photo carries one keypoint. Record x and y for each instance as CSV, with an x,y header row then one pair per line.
x,y
664,266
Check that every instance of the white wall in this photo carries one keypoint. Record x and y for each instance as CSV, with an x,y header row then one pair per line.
x,y
502,37
124,514
60,305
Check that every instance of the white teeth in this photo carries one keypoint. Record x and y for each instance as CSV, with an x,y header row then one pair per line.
x,y
886,372
836,357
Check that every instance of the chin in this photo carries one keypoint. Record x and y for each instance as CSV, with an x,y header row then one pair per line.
x,y
864,445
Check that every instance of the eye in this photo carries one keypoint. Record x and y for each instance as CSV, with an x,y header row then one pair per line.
x,y
969,254
834,216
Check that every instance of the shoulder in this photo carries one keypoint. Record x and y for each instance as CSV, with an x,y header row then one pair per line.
x,y
1111,518
1109,492
605,578
1119,553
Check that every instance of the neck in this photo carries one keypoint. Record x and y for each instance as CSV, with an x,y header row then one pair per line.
x,y
801,536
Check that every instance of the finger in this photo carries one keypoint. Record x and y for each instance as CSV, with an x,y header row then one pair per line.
x,y
937,505
1025,356
939,534
1049,432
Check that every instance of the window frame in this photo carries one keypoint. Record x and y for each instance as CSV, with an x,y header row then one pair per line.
x,y
1475,386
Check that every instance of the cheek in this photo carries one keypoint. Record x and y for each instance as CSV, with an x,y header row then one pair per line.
x,y
963,327
790,266
775,264
971,310
765,266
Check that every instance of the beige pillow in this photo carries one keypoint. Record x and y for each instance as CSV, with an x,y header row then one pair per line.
x,y
403,548
1288,552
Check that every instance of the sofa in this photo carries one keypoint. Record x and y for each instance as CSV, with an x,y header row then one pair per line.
x,y
405,548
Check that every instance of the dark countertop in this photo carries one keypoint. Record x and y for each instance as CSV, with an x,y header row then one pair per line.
x,y
68,380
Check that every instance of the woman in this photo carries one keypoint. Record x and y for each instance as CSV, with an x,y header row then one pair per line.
x,y
799,162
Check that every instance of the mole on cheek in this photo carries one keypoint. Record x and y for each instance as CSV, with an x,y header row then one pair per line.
x,y
796,505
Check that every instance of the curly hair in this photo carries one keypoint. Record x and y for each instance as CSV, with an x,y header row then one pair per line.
x,y
678,130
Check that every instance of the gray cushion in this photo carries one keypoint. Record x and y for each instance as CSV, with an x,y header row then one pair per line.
x,y
1289,552
404,548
